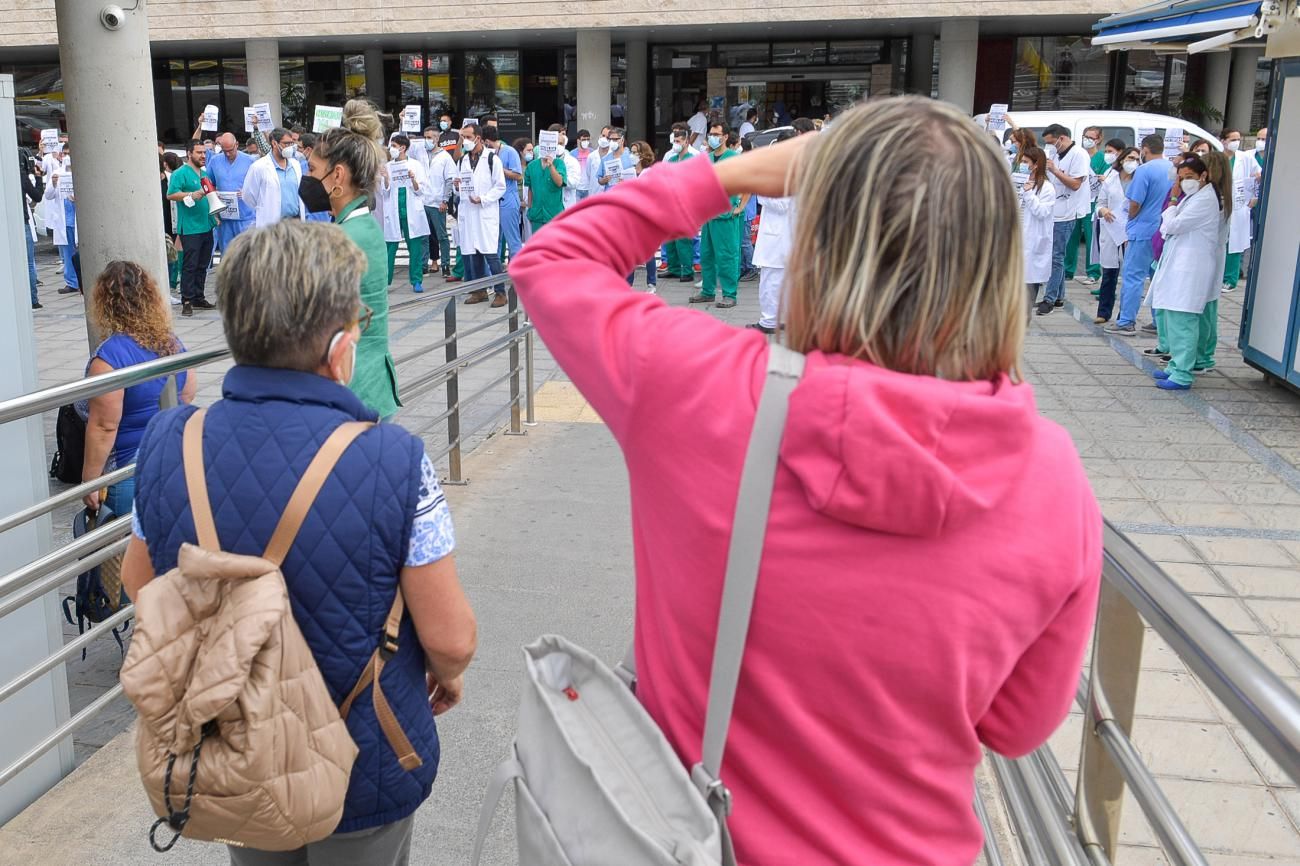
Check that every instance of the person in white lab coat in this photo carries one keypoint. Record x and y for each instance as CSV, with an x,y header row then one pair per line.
x,y
1112,209
271,187
481,184
61,218
1244,172
1037,198
440,168
775,233
572,169
404,217
1189,275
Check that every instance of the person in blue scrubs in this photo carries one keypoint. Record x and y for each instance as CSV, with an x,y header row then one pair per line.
x,y
511,216
227,169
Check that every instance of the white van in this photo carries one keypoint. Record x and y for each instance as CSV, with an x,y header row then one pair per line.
x,y
1123,125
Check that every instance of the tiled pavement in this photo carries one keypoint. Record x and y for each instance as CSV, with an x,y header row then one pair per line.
x,y
1208,484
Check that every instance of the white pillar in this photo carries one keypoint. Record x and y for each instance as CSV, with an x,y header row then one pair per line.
x,y
638,88
263,56
1241,88
108,90
920,64
593,80
1216,81
375,76
959,43
33,632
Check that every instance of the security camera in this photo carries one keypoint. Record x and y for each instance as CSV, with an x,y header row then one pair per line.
x,y
112,17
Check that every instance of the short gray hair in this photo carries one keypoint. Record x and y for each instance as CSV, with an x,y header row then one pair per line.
x,y
285,290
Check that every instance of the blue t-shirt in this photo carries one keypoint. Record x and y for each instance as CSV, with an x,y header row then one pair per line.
x,y
140,402
510,161
1150,189
288,190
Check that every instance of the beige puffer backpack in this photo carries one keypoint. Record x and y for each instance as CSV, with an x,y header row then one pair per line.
x,y
238,739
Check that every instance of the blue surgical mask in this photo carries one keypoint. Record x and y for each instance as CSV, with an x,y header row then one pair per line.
x,y
444,125
715,142
528,156
677,147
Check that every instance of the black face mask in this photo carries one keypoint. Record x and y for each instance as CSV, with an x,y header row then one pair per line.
x,y
313,194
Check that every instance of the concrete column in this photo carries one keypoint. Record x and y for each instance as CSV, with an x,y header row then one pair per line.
x,y
108,88
593,80
638,89
375,88
33,632
1241,88
920,64
1216,81
959,43
263,56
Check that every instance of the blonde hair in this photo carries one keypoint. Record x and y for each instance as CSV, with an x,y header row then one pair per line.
x,y
126,300
357,143
285,290
907,249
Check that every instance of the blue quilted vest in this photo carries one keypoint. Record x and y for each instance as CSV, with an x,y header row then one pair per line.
x,y
343,568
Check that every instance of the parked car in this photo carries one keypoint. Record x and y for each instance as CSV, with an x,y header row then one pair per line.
x,y
765,137
1123,125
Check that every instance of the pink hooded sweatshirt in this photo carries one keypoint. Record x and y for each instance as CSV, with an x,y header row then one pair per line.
x,y
930,573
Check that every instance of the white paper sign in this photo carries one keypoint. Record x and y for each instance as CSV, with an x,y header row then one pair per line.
x,y
467,185
399,173
613,170
411,118
249,117
1117,229
49,138
231,210
997,119
211,114
628,171
1143,132
327,117
263,110
1173,141
548,144
65,183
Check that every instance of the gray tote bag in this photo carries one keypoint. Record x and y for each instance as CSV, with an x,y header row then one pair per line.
x,y
596,782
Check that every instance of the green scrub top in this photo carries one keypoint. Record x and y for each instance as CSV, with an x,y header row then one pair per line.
x,y
375,377
548,199
735,199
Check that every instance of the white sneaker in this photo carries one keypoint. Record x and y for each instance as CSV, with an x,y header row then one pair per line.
x,y
1086,281
176,300
1228,288
59,268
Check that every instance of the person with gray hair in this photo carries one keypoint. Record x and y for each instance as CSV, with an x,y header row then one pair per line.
x,y
379,526
228,168
271,187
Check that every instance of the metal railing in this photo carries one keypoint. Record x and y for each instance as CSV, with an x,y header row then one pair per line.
x,y
46,573
1056,825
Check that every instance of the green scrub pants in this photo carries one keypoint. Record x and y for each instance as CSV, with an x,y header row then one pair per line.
x,y
1182,331
681,258
1082,230
1207,334
720,256
1232,270
416,248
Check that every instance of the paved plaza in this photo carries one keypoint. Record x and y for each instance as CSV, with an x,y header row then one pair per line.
x,y
1207,482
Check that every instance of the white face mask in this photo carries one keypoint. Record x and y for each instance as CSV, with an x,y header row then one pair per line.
x,y
585,144
1130,166
1189,186
1089,143
290,152
604,143
677,147
1233,145
394,151
1261,144
1110,158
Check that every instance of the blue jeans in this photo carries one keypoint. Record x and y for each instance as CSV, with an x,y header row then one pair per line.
x,y
746,246
31,261
1060,240
65,252
697,248
1106,297
511,234
481,265
121,497
1137,265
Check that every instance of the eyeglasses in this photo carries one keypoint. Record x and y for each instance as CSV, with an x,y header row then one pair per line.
x,y
364,315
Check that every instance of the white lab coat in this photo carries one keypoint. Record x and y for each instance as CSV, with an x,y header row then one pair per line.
x,y
480,224
1036,231
572,181
416,221
441,172
54,216
1243,190
1112,197
775,232
1190,273
595,163
262,189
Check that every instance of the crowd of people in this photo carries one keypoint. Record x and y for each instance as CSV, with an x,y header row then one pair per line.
x,y
1170,228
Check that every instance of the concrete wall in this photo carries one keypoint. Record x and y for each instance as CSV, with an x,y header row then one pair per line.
x,y
31,23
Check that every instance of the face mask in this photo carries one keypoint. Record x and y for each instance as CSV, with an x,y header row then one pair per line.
x,y
615,145
1130,166
1233,145
468,144
1189,186
715,142
585,144
290,152
1089,143
444,125
352,368
1203,153
430,145
528,156
677,148
1261,144
313,194
604,143
394,152
1009,146
1110,158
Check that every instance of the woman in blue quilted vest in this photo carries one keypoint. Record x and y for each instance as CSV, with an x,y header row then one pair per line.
x,y
290,305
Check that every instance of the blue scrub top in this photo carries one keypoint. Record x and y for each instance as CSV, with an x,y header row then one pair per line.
x,y
288,191
1150,189
229,177
510,161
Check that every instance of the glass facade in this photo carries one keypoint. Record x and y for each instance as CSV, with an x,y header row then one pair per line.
x,y
1059,72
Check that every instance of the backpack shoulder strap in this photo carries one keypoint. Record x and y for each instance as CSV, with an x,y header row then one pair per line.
x,y
196,483
309,486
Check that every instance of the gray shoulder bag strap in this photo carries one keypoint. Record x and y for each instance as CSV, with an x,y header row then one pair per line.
x,y
784,367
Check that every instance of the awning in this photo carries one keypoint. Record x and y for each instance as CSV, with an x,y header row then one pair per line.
x,y
1209,23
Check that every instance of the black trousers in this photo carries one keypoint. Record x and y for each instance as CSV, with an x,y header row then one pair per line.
x,y
194,270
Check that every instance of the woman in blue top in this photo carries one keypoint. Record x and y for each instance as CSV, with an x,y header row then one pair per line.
x,y
128,310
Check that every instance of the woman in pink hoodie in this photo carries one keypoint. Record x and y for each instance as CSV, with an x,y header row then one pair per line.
x,y
930,572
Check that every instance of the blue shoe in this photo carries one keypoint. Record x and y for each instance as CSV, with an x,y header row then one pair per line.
x,y
1171,385
1159,375
418,288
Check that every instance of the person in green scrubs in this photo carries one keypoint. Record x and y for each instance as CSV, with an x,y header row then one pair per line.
x,y
544,179
680,253
720,238
1082,230
341,176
